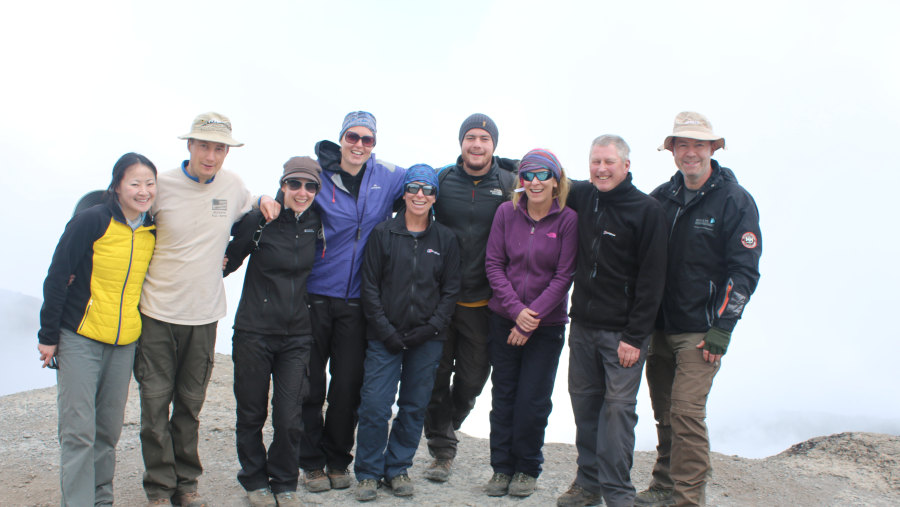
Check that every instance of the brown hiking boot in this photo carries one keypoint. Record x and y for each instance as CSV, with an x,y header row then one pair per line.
x,y
340,479
522,484
655,497
498,485
439,469
261,498
316,481
578,497
189,499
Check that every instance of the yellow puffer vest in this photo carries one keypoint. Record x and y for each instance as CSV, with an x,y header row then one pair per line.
x,y
120,261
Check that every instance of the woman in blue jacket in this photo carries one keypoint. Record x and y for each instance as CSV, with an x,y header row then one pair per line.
x,y
530,261
410,284
358,191
273,334
90,323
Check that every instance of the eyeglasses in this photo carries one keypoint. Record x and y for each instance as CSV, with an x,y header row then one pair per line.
x,y
413,188
540,175
353,138
311,186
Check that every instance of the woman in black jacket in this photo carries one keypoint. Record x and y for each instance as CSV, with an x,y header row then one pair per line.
x,y
273,334
410,283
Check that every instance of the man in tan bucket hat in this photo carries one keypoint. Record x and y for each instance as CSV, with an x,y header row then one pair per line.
x,y
712,270
182,300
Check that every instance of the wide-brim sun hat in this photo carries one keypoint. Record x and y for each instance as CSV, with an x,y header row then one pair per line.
x,y
213,127
691,125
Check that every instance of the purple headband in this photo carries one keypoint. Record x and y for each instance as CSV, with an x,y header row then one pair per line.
x,y
538,159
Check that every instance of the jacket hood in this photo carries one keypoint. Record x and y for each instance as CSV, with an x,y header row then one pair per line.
x,y
329,155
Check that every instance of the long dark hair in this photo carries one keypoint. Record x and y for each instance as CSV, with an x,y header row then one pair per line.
x,y
118,173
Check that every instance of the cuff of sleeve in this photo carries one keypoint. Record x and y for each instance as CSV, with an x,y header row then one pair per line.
x,y
726,324
634,341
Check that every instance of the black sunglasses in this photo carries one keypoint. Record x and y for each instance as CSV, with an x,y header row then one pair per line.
x,y
311,186
353,138
413,188
540,175
54,363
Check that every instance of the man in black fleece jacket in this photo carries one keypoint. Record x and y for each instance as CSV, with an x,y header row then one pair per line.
x,y
618,286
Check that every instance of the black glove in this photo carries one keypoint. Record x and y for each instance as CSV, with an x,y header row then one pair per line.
x,y
394,344
419,335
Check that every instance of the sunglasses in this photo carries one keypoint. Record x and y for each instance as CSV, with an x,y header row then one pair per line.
x,y
311,186
353,138
54,363
540,175
413,188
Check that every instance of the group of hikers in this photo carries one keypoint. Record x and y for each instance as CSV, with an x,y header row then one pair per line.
x,y
410,286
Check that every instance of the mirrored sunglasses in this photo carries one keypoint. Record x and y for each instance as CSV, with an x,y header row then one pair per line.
x,y
540,175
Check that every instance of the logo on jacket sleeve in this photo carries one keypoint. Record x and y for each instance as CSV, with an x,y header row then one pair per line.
x,y
432,251
749,240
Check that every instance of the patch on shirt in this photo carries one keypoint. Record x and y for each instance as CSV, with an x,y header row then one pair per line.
x,y
749,240
375,187
551,235
219,207
309,230
608,233
707,224
497,192
431,251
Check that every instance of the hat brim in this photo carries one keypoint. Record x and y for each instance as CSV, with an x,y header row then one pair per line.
x,y
692,134
212,137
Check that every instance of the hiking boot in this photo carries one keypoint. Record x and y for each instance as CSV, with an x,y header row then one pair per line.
x,y
340,479
366,490
439,469
158,501
288,499
261,498
401,484
498,485
655,497
578,497
316,481
522,484
189,499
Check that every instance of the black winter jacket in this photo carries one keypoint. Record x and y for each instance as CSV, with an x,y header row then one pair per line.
x,y
468,210
714,249
621,259
273,300
408,282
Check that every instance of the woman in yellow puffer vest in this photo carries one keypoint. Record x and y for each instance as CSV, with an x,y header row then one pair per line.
x,y
90,323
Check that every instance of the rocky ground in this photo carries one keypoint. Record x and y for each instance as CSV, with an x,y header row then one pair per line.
x,y
842,469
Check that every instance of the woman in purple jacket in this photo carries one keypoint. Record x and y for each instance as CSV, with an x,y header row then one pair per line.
x,y
530,261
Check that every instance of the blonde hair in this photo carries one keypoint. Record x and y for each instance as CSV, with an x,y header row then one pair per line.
x,y
560,193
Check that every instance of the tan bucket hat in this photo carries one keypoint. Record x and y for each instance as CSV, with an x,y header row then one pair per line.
x,y
212,127
693,126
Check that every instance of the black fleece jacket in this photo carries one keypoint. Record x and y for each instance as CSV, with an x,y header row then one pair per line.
x,y
621,259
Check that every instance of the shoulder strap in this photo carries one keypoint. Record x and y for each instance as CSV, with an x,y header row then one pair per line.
x,y
258,234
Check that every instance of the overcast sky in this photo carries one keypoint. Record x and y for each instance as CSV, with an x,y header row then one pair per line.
x,y
805,93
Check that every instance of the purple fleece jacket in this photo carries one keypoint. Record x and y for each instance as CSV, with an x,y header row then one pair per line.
x,y
530,264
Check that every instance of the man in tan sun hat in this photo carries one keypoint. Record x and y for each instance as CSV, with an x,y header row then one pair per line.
x,y
713,268
182,300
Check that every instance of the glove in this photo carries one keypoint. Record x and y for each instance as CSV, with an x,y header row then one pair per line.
x,y
394,344
716,340
419,335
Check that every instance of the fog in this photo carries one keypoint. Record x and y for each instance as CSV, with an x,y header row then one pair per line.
x,y
805,95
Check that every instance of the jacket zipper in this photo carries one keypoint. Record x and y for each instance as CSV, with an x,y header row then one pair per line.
x,y
124,284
